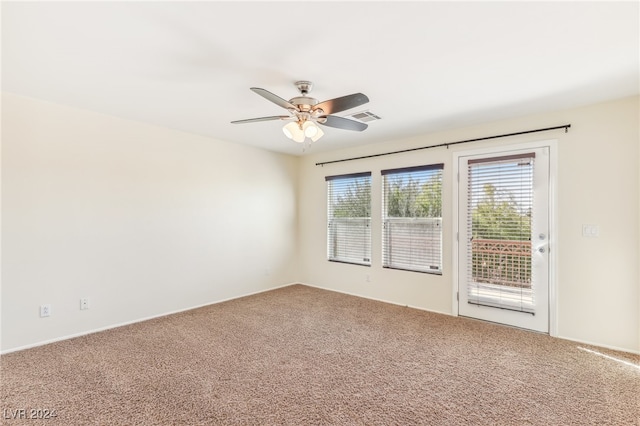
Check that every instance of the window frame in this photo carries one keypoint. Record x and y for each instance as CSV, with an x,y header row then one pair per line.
x,y
331,222
387,220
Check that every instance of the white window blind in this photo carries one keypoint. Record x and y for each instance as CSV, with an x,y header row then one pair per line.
x,y
349,218
500,202
412,218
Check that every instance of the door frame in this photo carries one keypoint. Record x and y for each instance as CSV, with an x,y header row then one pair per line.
x,y
552,145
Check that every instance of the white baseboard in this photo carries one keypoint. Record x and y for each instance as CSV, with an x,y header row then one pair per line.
x,y
109,327
378,300
600,345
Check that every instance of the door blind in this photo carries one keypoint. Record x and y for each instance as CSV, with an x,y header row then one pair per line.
x,y
499,217
349,218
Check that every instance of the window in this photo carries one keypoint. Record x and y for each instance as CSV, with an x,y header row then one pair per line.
x,y
412,218
499,214
349,218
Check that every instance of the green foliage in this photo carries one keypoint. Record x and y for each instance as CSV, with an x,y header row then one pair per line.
x,y
411,199
356,200
497,216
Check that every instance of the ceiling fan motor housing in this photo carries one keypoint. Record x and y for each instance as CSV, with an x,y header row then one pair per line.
x,y
304,103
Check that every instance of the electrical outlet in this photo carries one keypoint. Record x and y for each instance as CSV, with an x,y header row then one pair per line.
x,y
367,278
45,310
84,303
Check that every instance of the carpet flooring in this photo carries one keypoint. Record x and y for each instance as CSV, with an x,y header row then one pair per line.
x,y
304,356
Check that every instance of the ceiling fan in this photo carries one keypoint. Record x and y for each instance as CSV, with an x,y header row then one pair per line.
x,y
305,112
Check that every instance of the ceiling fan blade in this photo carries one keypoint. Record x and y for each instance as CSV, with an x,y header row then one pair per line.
x,y
342,103
342,123
253,120
273,98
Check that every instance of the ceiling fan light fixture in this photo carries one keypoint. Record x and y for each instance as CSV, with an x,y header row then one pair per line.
x,y
290,129
293,131
298,136
313,132
310,129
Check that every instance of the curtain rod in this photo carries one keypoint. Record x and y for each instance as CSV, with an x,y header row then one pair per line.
x,y
447,144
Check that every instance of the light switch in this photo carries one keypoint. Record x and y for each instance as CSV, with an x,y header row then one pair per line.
x,y
590,231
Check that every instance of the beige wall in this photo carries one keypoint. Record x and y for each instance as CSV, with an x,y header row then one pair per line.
x,y
597,279
146,221
142,220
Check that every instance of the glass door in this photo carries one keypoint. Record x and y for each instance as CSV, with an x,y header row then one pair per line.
x,y
503,238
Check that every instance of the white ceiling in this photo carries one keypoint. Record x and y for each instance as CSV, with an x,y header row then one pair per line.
x,y
425,66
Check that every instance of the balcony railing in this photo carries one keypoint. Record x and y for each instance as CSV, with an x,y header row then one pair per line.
x,y
501,262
